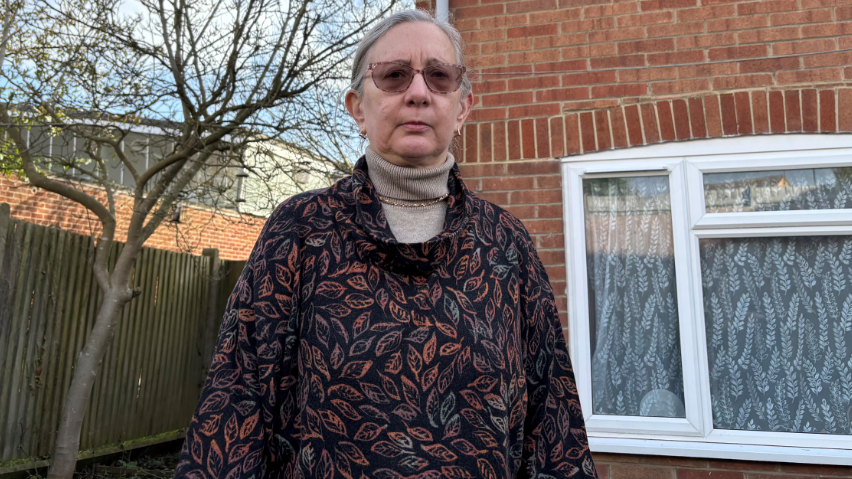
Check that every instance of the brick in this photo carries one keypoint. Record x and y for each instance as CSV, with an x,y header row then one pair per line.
x,y
829,59
550,241
706,13
621,8
618,35
500,198
542,135
619,131
486,61
481,170
478,36
499,132
530,6
651,5
642,46
514,139
803,46
622,90
742,81
809,4
513,98
769,65
808,76
810,112
844,109
681,119
532,31
649,122
522,212
616,62
772,6
674,30
777,123
759,112
696,118
712,116
587,132
793,111
822,470
544,226
504,46
680,86
843,13
478,12
485,142
729,114
828,29
535,197
508,183
712,70
602,130
704,41
549,211
589,78
602,23
578,65
625,471
738,23
743,105
572,135
673,58
727,53
471,145
537,56
768,35
634,125
544,109
547,167
775,476
827,113
560,40
555,15
644,19
487,114
528,138
559,94
557,137
697,474
534,83
502,21
647,75
602,49
664,115
800,18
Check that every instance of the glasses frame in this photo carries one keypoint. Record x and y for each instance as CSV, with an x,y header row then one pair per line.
x,y
416,71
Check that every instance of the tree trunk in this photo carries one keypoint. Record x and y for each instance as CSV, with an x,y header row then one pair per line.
x,y
85,372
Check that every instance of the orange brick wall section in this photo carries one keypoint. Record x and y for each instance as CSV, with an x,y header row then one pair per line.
x,y
234,236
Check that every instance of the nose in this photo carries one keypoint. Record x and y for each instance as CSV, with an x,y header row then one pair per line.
x,y
418,92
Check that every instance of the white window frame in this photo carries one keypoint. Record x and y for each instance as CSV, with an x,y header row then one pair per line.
x,y
684,163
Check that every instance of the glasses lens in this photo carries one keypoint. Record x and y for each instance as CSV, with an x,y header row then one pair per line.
x,y
443,78
392,77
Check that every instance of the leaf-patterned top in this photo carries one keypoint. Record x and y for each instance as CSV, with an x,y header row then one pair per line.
x,y
346,354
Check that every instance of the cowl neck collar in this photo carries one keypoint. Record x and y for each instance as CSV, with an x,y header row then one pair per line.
x,y
361,216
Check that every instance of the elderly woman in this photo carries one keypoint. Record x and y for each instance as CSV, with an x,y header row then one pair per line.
x,y
393,325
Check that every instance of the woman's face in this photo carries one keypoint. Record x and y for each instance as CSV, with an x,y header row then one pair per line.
x,y
411,128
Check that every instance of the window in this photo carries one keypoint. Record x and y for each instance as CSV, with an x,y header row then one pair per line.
x,y
710,297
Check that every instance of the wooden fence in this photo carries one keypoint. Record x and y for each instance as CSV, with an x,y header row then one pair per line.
x,y
151,376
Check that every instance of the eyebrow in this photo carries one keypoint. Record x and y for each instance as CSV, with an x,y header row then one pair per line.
x,y
429,61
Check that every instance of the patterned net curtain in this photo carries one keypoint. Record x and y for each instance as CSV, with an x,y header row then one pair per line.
x,y
635,342
778,311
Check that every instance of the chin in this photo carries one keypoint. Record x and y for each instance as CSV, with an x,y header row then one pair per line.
x,y
417,149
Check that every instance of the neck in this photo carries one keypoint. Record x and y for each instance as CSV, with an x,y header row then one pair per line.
x,y
408,183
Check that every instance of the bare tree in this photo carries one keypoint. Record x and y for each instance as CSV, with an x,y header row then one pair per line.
x,y
214,78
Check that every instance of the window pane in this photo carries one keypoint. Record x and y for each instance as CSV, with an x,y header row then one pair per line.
x,y
635,342
778,313
782,190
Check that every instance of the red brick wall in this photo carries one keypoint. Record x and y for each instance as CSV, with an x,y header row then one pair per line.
x,y
633,85
232,235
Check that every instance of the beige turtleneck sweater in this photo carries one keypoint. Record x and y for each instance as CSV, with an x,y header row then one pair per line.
x,y
411,225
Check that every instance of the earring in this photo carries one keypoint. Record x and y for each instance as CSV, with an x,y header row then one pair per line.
x,y
363,135
458,131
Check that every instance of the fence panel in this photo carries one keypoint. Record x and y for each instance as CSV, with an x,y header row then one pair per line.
x,y
149,381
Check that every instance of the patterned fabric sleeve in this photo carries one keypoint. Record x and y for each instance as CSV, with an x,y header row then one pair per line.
x,y
555,442
237,430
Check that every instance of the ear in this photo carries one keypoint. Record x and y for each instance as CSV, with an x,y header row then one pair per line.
x,y
464,111
353,105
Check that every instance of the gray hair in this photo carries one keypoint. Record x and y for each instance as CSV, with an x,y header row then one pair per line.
x,y
359,65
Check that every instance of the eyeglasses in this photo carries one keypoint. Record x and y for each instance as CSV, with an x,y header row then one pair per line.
x,y
396,77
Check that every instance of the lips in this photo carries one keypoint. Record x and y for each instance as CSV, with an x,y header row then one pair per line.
x,y
415,126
